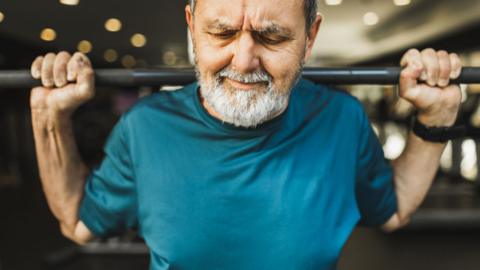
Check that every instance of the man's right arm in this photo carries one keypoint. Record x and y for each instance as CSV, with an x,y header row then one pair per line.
x,y
68,82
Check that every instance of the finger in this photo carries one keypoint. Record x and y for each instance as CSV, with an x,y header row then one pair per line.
x,y
412,61
445,68
86,83
36,67
85,76
408,82
430,61
47,70
456,65
60,68
72,68
412,56
415,57
73,65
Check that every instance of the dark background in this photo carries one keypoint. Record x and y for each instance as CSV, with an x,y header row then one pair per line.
x,y
445,233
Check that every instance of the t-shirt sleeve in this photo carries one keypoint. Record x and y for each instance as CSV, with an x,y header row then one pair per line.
x,y
109,205
376,198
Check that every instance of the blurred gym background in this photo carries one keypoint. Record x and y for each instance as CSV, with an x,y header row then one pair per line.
x,y
444,234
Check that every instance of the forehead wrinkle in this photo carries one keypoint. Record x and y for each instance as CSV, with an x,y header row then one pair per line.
x,y
247,24
268,28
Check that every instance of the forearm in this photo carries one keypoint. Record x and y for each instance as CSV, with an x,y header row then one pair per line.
x,y
61,168
425,83
414,172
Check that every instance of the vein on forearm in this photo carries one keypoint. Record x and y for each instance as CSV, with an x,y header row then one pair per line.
x,y
414,172
62,171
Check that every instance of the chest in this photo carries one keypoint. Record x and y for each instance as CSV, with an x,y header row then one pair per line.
x,y
248,201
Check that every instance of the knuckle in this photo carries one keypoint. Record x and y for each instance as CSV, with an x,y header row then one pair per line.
x,y
47,82
457,65
79,56
37,60
456,61
442,53
50,55
454,56
36,97
413,51
428,50
63,53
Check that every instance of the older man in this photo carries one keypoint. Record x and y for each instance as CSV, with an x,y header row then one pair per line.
x,y
251,168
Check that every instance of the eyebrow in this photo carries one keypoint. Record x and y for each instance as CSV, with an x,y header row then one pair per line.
x,y
220,25
275,29
270,29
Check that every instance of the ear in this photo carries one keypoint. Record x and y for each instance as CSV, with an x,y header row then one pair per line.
x,y
311,35
189,17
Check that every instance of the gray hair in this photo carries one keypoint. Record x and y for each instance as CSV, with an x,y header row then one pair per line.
x,y
310,9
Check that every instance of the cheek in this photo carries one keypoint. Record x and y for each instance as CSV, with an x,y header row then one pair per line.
x,y
282,65
211,59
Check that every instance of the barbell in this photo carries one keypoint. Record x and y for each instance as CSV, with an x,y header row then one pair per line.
x,y
14,79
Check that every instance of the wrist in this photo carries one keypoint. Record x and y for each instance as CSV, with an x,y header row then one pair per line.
x,y
437,132
50,119
437,120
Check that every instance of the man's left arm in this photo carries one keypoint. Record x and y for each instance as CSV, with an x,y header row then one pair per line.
x,y
424,82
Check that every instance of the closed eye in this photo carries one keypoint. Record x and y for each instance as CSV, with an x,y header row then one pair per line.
x,y
225,35
269,39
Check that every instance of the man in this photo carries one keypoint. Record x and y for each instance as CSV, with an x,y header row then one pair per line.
x,y
251,168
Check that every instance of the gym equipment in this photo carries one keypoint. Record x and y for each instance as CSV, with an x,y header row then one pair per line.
x,y
11,79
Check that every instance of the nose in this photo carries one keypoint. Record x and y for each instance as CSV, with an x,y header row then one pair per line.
x,y
245,58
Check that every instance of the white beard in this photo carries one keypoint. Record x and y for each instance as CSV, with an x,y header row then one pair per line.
x,y
246,108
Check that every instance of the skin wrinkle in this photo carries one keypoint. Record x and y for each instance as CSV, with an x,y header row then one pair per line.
x,y
55,145
310,8
245,39
271,28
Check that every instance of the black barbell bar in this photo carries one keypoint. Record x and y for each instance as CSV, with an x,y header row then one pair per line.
x,y
12,79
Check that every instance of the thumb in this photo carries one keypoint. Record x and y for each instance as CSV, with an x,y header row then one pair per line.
x,y
85,87
409,81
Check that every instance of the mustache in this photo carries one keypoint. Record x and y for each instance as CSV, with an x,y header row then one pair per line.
x,y
258,76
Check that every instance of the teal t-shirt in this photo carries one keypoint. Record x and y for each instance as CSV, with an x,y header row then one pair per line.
x,y
208,195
